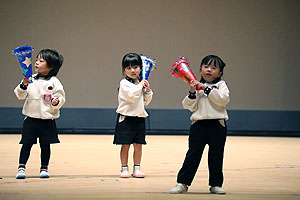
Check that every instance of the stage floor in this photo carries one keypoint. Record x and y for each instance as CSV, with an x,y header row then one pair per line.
x,y
88,167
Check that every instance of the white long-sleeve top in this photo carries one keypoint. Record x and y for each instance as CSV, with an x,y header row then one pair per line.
x,y
132,99
38,97
211,106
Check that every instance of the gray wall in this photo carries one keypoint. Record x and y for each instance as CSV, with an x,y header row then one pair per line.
x,y
258,39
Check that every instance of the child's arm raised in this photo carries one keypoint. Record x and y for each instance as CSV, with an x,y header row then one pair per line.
x,y
148,93
130,92
21,89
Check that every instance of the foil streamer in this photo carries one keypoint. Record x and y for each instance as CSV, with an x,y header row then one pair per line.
x,y
148,66
24,57
182,70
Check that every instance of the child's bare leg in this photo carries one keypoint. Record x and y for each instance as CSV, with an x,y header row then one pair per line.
x,y
137,154
124,154
124,160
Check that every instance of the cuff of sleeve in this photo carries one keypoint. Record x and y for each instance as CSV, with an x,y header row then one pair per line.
x,y
55,104
23,87
149,93
192,95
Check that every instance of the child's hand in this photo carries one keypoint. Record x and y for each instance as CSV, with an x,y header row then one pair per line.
x,y
200,86
196,85
147,86
55,101
142,83
26,81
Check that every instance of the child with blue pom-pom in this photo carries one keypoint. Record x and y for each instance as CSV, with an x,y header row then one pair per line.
x,y
44,96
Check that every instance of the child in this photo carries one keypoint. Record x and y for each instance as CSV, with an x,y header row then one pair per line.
x,y
43,99
208,126
134,95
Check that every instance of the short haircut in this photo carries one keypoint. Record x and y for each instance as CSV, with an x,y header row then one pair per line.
x,y
131,59
54,60
215,60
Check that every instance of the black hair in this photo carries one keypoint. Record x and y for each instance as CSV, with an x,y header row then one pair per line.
x,y
215,60
131,59
54,60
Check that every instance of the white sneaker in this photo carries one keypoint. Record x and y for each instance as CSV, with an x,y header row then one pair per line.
x,y
179,188
21,173
124,172
44,174
137,172
217,190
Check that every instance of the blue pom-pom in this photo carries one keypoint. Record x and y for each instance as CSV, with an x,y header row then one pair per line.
x,y
22,50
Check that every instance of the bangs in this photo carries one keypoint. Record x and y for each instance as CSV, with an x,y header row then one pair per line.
x,y
130,62
41,55
215,60
131,59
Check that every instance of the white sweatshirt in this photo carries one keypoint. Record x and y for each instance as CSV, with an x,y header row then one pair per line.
x,y
211,106
38,98
133,99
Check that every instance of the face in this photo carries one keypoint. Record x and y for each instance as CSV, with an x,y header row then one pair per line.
x,y
210,72
133,71
41,66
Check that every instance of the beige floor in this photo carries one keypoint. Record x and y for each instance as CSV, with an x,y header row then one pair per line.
x,y
88,166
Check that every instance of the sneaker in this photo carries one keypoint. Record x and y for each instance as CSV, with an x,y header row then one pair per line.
x,y
21,173
44,174
217,190
124,172
179,188
137,172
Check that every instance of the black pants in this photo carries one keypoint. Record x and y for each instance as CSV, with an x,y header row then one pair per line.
x,y
45,154
204,132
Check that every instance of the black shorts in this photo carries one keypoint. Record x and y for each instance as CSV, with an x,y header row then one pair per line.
x,y
44,129
130,130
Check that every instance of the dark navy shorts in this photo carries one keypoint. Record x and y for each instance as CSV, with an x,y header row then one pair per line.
x,y
44,129
130,130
